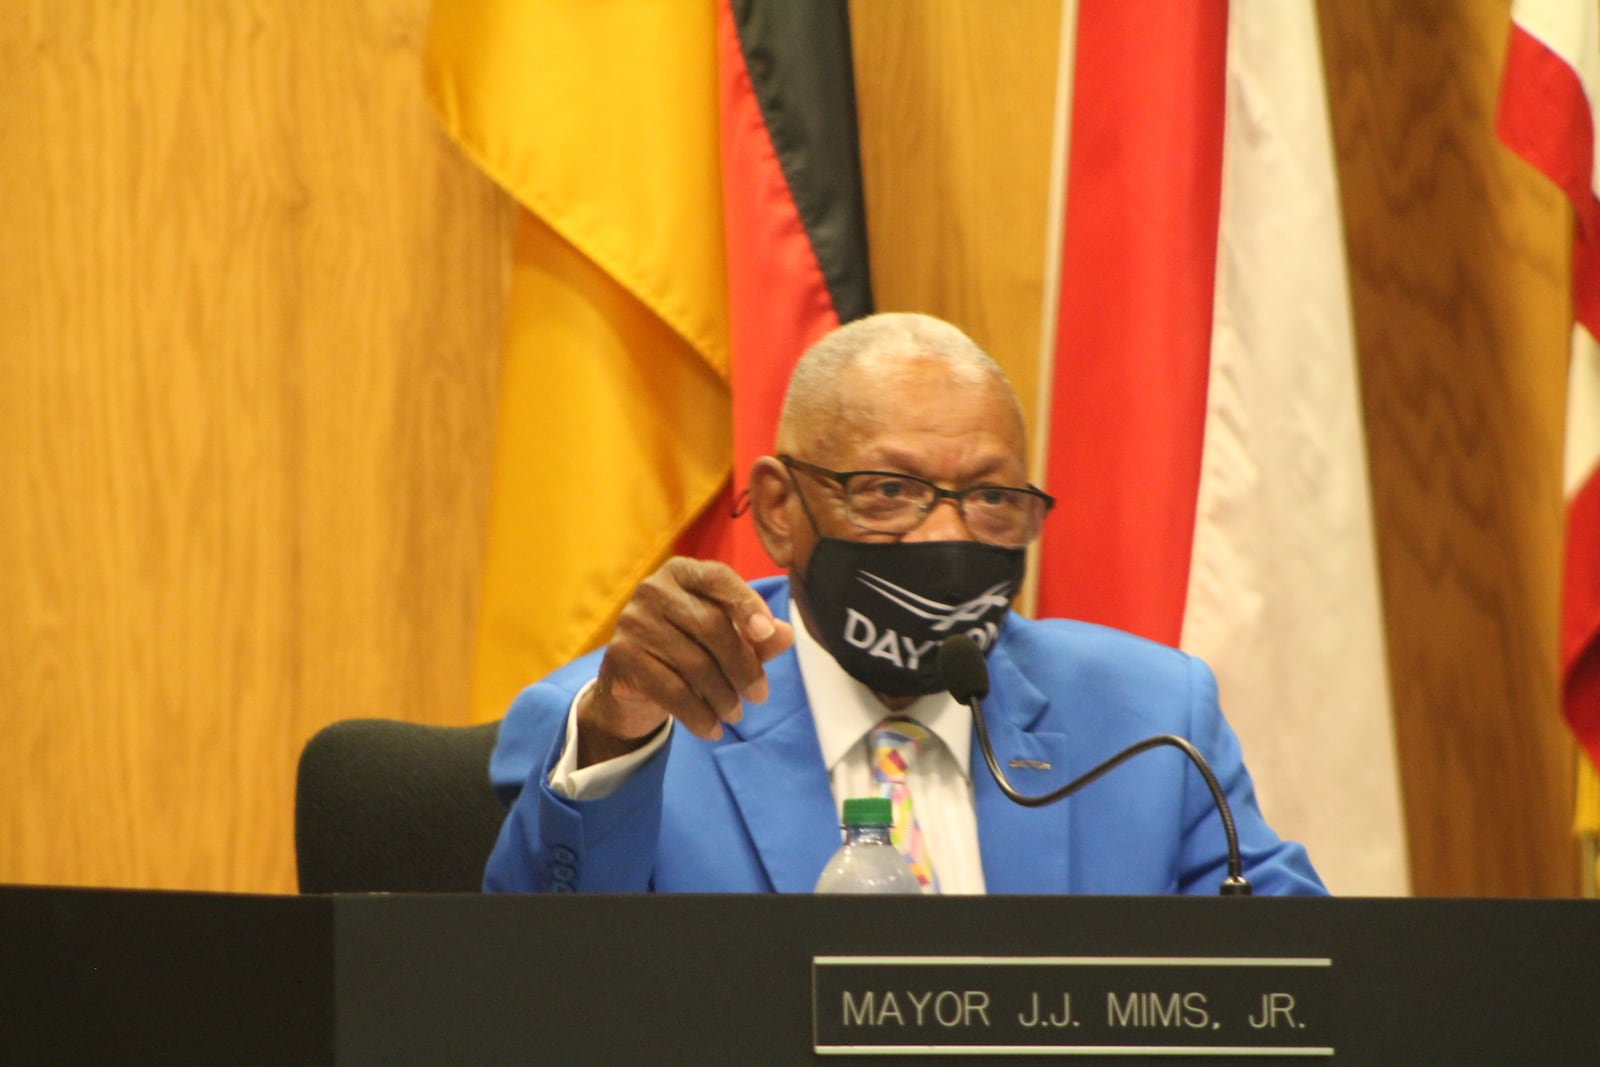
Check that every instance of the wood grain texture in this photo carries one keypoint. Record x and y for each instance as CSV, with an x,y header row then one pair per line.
x,y
250,340
957,104
1458,281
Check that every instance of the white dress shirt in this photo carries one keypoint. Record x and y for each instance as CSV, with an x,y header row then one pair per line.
x,y
845,711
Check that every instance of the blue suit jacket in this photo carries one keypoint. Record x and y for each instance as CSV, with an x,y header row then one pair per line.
x,y
754,812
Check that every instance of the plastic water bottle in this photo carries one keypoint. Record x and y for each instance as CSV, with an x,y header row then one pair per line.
x,y
868,862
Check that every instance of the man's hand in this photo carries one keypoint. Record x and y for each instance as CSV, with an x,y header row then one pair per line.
x,y
689,644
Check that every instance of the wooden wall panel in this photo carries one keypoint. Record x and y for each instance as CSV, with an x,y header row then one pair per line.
x,y
1458,280
957,104
249,311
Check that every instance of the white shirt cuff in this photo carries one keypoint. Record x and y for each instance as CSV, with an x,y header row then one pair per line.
x,y
601,779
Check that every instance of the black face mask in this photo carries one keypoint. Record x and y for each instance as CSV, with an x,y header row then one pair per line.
x,y
882,608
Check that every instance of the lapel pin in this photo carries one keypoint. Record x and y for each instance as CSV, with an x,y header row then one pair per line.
x,y
1029,765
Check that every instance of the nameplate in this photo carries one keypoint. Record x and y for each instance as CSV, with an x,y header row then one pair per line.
x,y
1070,1005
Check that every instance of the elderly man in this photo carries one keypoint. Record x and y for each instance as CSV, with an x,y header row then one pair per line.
x,y
709,746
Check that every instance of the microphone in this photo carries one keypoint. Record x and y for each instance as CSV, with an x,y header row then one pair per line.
x,y
966,676
962,668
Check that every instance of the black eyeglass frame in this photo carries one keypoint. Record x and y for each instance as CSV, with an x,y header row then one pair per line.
x,y
959,496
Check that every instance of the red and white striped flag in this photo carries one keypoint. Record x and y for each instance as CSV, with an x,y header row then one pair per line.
x,y
1547,94
1204,419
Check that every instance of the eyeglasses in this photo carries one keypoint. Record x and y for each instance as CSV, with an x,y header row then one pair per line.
x,y
890,503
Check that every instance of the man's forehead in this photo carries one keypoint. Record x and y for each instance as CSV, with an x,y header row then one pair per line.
x,y
897,393
920,364
970,460
928,419
900,388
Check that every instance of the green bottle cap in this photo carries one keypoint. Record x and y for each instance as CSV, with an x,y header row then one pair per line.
x,y
868,811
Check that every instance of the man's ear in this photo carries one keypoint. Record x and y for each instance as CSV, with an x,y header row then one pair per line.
x,y
773,507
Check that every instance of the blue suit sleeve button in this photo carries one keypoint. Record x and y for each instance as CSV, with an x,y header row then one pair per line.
x,y
563,854
562,887
563,873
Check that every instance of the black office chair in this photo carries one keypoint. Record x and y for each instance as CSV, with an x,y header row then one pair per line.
x,y
383,806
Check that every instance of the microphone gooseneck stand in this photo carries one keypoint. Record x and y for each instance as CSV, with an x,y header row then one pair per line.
x,y
966,676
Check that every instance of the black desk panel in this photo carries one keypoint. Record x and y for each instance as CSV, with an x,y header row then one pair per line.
x,y
95,976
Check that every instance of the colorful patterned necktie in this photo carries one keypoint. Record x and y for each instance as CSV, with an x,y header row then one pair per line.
x,y
895,744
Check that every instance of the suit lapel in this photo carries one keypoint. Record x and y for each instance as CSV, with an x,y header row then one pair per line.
x,y
1024,850
771,763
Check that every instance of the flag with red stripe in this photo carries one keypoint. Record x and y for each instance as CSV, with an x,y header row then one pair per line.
x,y
1137,262
1204,426
1547,102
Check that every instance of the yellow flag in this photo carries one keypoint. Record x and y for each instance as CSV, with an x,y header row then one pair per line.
x,y
600,118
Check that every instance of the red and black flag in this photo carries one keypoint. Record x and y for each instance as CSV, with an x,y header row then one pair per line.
x,y
793,216
690,218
